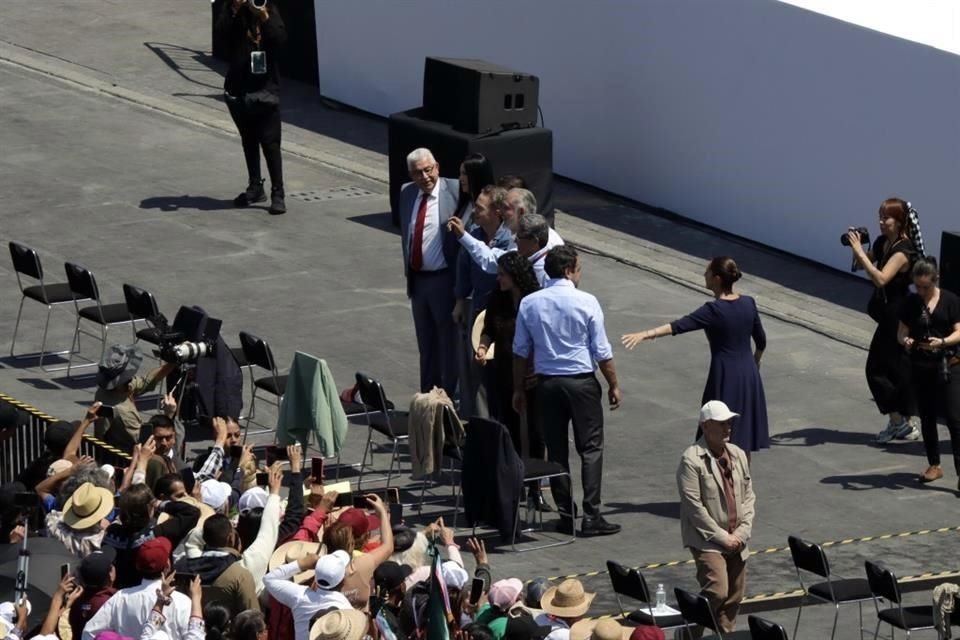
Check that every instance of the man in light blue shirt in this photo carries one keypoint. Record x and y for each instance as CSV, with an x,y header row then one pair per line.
x,y
563,328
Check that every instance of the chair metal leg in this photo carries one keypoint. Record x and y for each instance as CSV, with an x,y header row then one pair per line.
x,y
363,462
74,345
16,326
796,625
836,616
876,632
103,340
394,459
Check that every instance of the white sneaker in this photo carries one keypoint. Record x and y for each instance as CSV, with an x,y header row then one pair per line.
x,y
907,432
890,432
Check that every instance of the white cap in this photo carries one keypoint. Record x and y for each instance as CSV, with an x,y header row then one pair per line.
x,y
214,493
716,410
454,575
255,498
109,470
331,569
57,466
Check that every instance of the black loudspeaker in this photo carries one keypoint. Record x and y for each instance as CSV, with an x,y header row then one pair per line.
x,y
527,153
298,60
478,97
950,261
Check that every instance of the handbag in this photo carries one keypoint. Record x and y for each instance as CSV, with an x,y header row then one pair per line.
x,y
260,101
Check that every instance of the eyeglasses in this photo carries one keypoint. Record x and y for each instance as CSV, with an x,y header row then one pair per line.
x,y
725,466
423,172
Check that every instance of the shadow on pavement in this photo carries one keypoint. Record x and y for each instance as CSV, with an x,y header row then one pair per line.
x,y
379,221
813,436
662,509
176,203
895,481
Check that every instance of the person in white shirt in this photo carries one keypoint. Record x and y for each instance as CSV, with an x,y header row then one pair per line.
x,y
520,204
128,610
304,602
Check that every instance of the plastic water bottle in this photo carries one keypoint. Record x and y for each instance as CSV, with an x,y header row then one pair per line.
x,y
661,597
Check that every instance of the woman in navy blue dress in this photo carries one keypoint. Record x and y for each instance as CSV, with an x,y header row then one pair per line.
x,y
730,321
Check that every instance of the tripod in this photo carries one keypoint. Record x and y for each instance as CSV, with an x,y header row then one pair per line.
x,y
188,382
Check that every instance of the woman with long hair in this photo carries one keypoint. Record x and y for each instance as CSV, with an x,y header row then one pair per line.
x,y
515,280
248,625
929,330
476,172
888,266
730,320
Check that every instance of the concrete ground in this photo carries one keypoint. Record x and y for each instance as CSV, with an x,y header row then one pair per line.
x,y
118,155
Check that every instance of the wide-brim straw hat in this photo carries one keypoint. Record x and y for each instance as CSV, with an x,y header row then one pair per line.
x,y
340,624
88,505
291,551
205,511
568,600
477,331
599,630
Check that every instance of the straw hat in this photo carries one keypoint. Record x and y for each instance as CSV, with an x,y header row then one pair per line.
x,y
340,624
205,511
292,551
599,630
477,331
569,600
88,505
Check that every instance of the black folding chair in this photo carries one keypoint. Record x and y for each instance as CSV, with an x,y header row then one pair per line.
x,y
257,353
810,557
84,287
761,629
696,610
884,584
26,262
631,584
142,306
383,419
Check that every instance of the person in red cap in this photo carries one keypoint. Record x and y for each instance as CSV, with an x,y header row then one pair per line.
x,y
129,609
343,535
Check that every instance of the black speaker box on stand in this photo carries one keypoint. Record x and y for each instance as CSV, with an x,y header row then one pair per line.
x,y
950,261
298,60
479,97
527,153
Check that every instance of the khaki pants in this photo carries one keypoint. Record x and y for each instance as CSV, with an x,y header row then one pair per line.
x,y
722,578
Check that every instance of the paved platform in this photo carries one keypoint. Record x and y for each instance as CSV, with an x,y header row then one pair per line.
x,y
118,155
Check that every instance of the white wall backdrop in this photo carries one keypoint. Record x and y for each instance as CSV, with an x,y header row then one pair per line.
x,y
758,117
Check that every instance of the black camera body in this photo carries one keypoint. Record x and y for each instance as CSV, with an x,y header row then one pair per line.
x,y
193,336
864,237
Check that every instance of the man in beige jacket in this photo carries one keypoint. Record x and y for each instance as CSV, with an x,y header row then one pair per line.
x,y
716,511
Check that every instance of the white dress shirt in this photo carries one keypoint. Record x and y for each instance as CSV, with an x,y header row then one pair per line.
x,y
486,256
302,601
129,610
433,259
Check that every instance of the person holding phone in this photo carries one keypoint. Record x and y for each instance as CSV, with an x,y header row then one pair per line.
x,y
157,620
929,330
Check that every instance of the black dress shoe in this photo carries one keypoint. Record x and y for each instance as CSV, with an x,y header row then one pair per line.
x,y
564,525
537,501
598,526
277,204
252,195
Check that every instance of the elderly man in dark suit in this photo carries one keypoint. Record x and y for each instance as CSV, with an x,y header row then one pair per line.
x,y
429,262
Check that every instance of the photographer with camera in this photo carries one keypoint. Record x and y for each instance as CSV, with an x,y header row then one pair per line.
x,y
888,266
930,332
254,33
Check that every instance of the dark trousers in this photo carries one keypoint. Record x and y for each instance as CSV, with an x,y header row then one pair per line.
x,y
259,130
888,371
934,398
432,300
563,399
500,392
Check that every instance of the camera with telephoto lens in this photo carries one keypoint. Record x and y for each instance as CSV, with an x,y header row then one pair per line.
x,y
186,341
258,4
864,236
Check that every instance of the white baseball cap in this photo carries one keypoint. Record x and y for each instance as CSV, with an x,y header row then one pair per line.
x,y
716,410
255,498
331,569
214,493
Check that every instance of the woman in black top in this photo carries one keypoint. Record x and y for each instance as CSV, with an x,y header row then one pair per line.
x,y
930,332
254,37
515,279
888,266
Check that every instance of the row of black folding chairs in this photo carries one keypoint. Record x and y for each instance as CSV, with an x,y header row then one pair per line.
x,y
881,584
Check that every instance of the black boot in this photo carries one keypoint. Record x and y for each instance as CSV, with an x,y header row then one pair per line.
x,y
253,194
277,204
